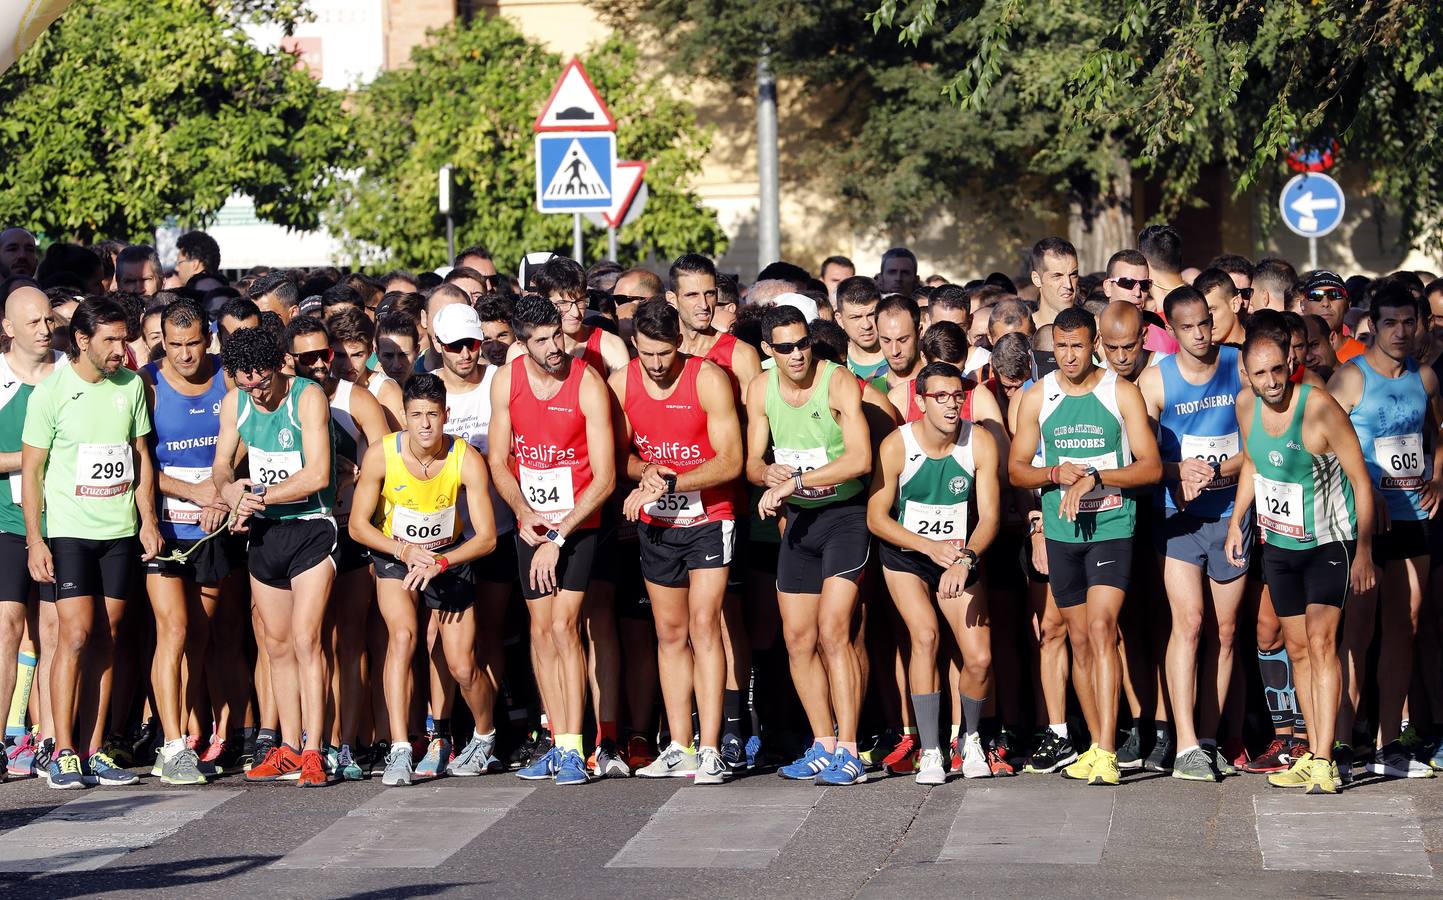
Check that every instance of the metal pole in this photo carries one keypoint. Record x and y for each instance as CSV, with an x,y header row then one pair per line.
x,y
1312,253
611,245
769,241
576,252
450,239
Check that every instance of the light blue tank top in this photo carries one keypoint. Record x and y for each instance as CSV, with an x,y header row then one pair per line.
x,y
1389,420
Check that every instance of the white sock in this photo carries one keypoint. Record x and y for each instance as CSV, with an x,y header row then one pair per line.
x,y
1186,749
171,748
1059,730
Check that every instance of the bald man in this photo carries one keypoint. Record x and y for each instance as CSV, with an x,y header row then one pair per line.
x,y
18,253
1120,339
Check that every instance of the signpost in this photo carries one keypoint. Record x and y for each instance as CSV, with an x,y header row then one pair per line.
x,y
1312,205
577,170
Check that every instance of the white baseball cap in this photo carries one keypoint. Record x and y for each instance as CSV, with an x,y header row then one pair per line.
x,y
457,322
800,302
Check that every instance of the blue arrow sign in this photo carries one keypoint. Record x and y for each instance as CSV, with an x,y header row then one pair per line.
x,y
1312,204
575,171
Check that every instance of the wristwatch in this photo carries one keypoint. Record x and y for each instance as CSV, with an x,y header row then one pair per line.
x,y
259,488
555,537
670,481
1092,470
1217,468
970,556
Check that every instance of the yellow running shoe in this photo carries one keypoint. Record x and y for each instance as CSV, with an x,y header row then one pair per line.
x,y
1082,769
1320,780
1104,769
1298,776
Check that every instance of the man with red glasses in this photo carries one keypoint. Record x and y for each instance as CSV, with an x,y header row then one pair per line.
x,y
1324,294
460,335
359,420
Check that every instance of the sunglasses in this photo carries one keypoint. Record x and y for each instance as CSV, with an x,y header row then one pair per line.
x,y
1246,293
787,348
311,357
464,344
956,397
1128,284
1322,294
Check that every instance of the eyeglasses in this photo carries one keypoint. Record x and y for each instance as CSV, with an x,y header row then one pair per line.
x,y
1128,284
259,384
956,397
464,344
788,348
1320,295
311,357
1246,293
564,304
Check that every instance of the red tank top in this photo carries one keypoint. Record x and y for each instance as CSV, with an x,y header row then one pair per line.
x,y
548,444
672,432
592,354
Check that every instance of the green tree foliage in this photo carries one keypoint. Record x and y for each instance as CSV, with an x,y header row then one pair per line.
x,y
469,99
123,114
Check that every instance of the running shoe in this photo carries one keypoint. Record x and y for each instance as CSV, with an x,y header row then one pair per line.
x,y
525,752
1104,769
1129,752
997,759
710,768
105,772
1276,758
20,757
474,759
438,754
1436,761
1194,764
220,756
1298,775
182,767
44,754
879,748
280,764
1236,756
313,770
974,759
753,751
1413,742
264,745
571,769
540,748
65,772
1052,754
674,762
813,761
1320,777
381,757
120,752
1394,761
398,766
930,769
903,758
1081,769
1222,767
732,754
954,755
606,762
543,768
844,769
1343,760
1297,748
1160,758
347,768
639,754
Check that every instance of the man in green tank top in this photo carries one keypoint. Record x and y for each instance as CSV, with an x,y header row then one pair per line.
x,y
1304,467
807,419
284,424
1083,437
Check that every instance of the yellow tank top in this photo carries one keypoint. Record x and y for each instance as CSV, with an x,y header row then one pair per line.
x,y
421,511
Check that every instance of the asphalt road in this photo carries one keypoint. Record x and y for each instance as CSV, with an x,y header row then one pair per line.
x,y
759,836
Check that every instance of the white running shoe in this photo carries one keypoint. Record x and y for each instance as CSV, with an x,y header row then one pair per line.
x,y
974,760
933,768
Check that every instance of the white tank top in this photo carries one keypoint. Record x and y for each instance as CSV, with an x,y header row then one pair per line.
x,y
377,381
468,416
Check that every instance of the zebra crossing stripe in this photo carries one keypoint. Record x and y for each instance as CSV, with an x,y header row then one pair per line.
x,y
1362,833
415,827
739,826
1030,823
100,827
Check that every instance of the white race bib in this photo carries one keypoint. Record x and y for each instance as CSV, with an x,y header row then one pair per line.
x,y
548,491
806,460
176,510
1400,456
1218,449
16,491
426,530
1280,507
939,523
270,469
103,470
1102,497
678,509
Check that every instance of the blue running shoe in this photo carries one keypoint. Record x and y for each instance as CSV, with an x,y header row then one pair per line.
x,y
812,762
543,768
754,749
65,773
571,769
845,769
104,770
438,756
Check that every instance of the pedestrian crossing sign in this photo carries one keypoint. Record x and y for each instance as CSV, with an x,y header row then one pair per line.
x,y
575,171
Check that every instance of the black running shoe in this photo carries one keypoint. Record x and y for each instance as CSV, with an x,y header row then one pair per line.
x,y
539,750
1163,751
1129,754
733,755
1052,754
521,756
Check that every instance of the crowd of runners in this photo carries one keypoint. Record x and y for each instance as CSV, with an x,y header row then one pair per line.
x,y
572,523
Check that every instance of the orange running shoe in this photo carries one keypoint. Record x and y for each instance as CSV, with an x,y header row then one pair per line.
x,y
281,764
639,754
313,770
903,758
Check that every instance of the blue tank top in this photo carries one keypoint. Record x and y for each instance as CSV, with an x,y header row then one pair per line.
x,y
185,435
1389,420
1200,420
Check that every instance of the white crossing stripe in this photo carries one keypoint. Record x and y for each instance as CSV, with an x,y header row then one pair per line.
x,y
737,826
1364,833
416,827
1031,822
100,827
